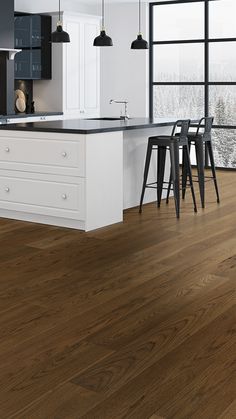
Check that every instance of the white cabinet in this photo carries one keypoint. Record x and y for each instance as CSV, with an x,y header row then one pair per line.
x,y
81,67
75,85
32,152
43,195
62,179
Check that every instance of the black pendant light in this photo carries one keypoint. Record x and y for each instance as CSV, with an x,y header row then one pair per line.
x,y
103,40
60,36
139,43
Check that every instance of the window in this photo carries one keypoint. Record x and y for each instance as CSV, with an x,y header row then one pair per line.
x,y
186,21
193,66
178,63
189,100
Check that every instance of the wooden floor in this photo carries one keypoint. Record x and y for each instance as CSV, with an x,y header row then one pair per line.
x,y
137,320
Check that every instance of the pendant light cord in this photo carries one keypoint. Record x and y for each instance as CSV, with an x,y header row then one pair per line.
x,y
139,17
59,10
103,15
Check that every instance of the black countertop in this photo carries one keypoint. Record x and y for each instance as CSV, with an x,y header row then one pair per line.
x,y
90,126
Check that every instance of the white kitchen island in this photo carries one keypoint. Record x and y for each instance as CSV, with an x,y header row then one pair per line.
x,y
79,174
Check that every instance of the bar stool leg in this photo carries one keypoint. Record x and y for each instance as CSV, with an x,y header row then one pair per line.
x,y
184,169
189,171
200,168
169,189
213,169
161,159
145,176
174,156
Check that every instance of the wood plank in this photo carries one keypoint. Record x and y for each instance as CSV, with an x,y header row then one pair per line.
x,y
49,369
160,383
63,402
168,316
230,412
156,417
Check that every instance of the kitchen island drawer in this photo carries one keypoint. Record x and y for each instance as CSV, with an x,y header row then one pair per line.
x,y
58,198
51,154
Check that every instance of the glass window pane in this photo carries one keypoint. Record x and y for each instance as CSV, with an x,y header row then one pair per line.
x,y
222,61
224,144
178,101
222,104
179,21
222,19
179,62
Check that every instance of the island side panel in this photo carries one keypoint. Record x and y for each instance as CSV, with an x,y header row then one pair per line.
x,y
135,146
104,179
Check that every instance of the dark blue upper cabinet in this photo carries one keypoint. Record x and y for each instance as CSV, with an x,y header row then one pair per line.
x,y
32,35
22,31
37,35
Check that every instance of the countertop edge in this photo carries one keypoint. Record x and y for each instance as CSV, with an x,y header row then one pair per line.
x,y
15,127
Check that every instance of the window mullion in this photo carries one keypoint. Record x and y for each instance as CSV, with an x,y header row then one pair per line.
x,y
206,58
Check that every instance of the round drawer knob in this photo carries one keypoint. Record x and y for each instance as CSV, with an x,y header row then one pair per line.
x,y
64,196
7,150
7,189
64,154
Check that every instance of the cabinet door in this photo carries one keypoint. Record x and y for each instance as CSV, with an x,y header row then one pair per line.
x,y
91,69
22,31
36,64
23,65
81,79
32,34
72,68
36,31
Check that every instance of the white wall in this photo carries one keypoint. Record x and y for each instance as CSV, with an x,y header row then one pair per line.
x,y
124,72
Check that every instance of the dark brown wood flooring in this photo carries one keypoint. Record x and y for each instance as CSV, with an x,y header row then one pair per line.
x,y
137,320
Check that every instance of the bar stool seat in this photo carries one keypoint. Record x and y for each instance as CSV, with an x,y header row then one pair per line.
x,y
173,143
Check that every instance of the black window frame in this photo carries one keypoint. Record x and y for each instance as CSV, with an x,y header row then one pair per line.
x,y
205,41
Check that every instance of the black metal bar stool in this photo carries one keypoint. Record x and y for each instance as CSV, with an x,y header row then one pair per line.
x,y
199,140
172,143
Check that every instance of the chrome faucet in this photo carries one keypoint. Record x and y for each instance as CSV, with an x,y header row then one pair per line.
x,y
124,102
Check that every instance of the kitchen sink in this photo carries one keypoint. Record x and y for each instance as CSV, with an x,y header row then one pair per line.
x,y
104,119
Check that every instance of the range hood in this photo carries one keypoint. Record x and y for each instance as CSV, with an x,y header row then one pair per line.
x,y
7,54
10,52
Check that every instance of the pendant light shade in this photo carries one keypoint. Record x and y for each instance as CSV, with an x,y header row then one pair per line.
x,y
139,43
60,36
103,40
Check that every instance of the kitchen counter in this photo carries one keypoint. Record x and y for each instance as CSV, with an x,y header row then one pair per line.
x,y
78,174
91,126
